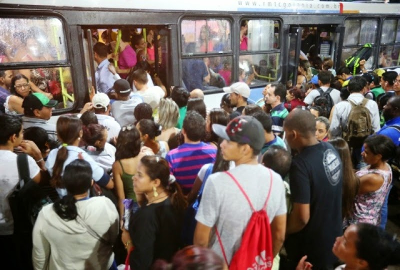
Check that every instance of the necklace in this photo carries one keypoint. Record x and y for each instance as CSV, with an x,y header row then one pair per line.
x,y
156,199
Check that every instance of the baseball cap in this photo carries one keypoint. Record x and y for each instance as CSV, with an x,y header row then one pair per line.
x,y
242,129
37,101
379,71
100,100
314,79
240,88
368,77
122,86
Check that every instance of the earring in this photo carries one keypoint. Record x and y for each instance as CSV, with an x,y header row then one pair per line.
x,y
155,192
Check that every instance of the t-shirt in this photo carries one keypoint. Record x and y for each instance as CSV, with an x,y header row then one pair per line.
x,y
155,230
9,178
186,161
122,110
276,141
127,59
335,95
182,115
377,91
152,96
3,96
316,179
112,126
224,205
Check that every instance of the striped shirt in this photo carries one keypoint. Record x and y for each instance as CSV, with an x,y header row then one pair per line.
x,y
28,122
186,161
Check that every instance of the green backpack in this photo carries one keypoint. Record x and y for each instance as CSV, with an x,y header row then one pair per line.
x,y
353,62
359,124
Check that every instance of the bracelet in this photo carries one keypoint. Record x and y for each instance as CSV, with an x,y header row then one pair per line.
x,y
37,161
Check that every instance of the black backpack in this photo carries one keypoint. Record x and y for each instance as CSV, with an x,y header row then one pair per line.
x,y
324,100
353,62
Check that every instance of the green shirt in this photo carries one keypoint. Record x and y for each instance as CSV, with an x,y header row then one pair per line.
x,y
182,115
377,91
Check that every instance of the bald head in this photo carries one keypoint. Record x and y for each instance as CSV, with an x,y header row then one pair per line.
x,y
302,121
197,93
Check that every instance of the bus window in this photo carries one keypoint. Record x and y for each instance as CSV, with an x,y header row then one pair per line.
x,y
357,33
199,39
205,36
39,42
261,38
390,44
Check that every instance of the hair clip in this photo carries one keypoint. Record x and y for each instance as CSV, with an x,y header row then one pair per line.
x,y
65,144
160,127
171,179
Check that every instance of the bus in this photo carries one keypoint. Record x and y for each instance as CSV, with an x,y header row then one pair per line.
x,y
53,40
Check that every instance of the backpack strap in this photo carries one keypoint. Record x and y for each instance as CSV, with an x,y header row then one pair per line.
x,y
242,190
206,175
320,91
23,167
364,102
329,90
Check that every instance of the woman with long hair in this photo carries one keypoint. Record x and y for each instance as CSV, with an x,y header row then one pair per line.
x,y
149,130
127,158
68,234
375,180
160,216
216,116
168,119
351,182
198,105
69,132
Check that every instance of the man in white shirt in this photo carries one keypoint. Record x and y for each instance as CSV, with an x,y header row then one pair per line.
x,y
324,80
102,109
150,95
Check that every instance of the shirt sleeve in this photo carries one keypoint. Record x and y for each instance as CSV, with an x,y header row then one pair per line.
x,y
335,123
299,183
202,172
310,97
33,167
209,206
375,117
98,174
41,247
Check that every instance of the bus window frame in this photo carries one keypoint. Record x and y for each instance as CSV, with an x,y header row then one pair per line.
x,y
394,43
274,51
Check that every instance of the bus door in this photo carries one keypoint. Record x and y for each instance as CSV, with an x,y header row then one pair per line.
x,y
310,48
150,43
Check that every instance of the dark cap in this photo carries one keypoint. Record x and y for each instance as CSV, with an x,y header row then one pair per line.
x,y
368,77
242,129
122,86
37,101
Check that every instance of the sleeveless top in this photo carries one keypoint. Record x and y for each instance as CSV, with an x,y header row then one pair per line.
x,y
128,183
163,150
368,206
7,109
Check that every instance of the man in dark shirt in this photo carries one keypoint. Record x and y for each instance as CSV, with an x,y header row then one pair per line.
x,y
316,188
5,83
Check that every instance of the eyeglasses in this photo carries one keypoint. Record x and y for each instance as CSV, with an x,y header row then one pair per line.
x,y
396,81
128,127
26,85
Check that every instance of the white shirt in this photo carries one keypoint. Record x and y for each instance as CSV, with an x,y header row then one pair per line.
x,y
152,96
9,179
341,111
111,124
335,95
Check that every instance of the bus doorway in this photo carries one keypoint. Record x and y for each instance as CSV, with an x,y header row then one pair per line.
x,y
312,48
149,50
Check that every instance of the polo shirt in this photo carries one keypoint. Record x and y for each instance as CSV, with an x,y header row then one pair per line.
x,y
278,114
51,129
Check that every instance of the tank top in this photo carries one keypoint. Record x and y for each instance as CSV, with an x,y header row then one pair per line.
x,y
163,149
128,183
368,206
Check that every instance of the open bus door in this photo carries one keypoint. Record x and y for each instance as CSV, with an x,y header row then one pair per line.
x,y
315,43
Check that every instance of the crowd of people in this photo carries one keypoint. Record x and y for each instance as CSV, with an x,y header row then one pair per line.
x,y
161,182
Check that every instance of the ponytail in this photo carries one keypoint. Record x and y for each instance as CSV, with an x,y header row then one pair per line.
x,y
66,208
178,200
58,166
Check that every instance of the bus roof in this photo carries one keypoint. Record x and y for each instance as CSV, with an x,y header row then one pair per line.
x,y
282,6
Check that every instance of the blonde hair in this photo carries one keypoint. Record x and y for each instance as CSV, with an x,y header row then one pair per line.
x,y
168,113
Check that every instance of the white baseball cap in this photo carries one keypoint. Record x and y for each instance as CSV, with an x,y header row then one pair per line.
x,y
240,88
100,100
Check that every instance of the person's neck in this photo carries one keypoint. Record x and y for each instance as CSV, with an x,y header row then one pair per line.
x,y
191,142
151,199
143,87
275,104
3,86
388,88
123,98
8,146
249,160
380,165
123,45
269,137
307,142
153,145
100,60
81,196
241,103
326,85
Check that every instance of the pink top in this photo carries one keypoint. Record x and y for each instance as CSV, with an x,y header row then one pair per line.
x,y
151,54
203,47
127,59
243,43
368,206
226,74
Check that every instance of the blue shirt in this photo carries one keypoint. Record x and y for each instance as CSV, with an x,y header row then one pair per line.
x,y
3,96
391,132
104,78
